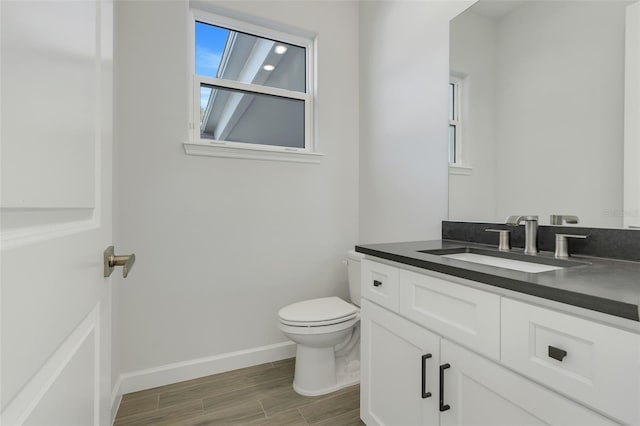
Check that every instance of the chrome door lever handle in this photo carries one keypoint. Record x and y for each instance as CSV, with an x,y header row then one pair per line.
x,y
111,261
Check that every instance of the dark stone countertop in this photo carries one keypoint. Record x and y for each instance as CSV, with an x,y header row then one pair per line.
x,y
603,285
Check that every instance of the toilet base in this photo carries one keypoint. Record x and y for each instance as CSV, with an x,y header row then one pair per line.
x,y
319,371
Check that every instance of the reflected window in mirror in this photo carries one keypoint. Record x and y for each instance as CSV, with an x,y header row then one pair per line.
x,y
458,147
454,120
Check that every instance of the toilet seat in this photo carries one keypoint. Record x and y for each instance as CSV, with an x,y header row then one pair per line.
x,y
320,312
311,329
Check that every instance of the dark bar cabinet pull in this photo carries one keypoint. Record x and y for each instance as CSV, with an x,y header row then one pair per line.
x,y
425,394
377,283
443,406
557,353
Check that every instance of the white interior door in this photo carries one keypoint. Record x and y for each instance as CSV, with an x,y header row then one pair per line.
x,y
55,200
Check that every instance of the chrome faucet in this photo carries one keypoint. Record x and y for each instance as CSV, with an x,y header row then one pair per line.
x,y
530,231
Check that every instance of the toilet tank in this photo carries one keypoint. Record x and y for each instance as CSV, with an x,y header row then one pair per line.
x,y
353,270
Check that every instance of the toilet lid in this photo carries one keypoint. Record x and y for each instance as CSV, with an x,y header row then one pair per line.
x,y
318,310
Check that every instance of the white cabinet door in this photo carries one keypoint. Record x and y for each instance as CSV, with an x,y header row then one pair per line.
x,y
399,380
480,392
55,202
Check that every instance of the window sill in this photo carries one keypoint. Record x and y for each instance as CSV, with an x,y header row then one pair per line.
x,y
208,150
460,170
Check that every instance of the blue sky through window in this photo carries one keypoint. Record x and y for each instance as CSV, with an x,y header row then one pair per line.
x,y
210,42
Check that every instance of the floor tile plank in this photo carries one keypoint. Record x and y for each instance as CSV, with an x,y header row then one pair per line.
x,y
252,393
287,418
287,400
131,406
239,414
164,416
228,375
331,407
350,418
221,385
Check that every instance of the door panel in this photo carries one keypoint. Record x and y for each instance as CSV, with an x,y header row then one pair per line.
x,y
55,203
71,397
49,104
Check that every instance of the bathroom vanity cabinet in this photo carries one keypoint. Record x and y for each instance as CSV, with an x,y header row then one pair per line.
x,y
438,351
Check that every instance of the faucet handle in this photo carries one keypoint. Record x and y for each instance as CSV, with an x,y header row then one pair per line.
x,y
504,244
515,220
559,219
562,244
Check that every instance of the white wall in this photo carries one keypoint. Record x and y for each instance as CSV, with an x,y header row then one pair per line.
x,y
404,71
473,55
222,244
559,87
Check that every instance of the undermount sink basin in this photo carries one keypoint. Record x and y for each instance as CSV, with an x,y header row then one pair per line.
x,y
507,260
517,265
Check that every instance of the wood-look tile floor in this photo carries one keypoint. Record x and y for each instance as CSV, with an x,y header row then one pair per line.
x,y
259,395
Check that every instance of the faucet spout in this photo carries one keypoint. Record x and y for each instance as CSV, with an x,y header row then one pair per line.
x,y
530,231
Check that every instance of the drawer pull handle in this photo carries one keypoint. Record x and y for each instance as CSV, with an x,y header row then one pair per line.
x,y
443,406
425,394
557,353
377,283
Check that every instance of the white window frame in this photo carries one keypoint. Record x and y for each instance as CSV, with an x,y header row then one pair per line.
x,y
229,149
461,165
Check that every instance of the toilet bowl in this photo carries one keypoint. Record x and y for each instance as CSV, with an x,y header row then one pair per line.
x,y
327,333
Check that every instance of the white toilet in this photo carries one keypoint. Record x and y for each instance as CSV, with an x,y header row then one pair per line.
x,y
327,331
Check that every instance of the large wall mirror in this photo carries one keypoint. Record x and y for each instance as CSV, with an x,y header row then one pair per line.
x,y
547,95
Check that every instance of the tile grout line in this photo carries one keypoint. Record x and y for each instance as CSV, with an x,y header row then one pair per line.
x,y
302,415
201,407
263,410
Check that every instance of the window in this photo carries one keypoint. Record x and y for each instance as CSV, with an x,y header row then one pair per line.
x,y
458,152
253,92
454,121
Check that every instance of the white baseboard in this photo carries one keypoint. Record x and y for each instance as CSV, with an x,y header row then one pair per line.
x,y
187,370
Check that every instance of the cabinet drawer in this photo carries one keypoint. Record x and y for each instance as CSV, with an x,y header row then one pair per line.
x,y
380,284
481,392
465,315
589,362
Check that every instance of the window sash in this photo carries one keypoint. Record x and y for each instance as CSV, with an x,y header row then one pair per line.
x,y
257,89
453,154
249,28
